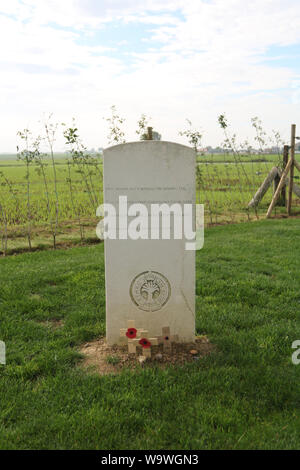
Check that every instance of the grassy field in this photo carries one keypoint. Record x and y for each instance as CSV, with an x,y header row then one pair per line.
x,y
244,396
79,190
225,189
6,158
13,190
247,158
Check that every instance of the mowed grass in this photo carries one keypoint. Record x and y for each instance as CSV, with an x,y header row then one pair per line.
x,y
246,395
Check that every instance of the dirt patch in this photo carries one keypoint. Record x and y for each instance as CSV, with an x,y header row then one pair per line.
x,y
285,216
53,324
113,359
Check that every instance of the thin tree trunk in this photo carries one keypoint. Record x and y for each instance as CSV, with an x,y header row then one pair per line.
x,y
4,232
48,201
73,204
56,197
28,208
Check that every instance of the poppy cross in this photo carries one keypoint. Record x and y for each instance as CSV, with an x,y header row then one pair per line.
x,y
147,342
132,335
167,339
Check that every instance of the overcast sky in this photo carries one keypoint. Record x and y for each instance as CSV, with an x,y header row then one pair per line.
x,y
170,59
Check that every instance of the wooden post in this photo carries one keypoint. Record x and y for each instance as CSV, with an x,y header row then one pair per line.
x,y
293,144
264,187
296,189
297,165
276,183
282,200
150,134
279,188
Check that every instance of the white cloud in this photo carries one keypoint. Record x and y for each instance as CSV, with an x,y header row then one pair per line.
x,y
211,59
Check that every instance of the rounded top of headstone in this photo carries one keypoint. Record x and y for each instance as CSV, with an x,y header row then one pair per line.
x,y
157,143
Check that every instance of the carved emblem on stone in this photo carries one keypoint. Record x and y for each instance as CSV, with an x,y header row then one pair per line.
x,y
150,291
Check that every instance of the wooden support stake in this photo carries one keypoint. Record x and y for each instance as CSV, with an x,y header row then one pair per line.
x,y
296,189
292,158
263,188
279,188
285,161
297,165
276,183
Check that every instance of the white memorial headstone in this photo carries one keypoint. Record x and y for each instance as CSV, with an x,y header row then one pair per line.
x,y
149,280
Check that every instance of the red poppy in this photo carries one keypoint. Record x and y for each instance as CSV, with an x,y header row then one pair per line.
x,y
131,333
145,343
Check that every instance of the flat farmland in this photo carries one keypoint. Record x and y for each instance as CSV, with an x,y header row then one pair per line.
x,y
225,185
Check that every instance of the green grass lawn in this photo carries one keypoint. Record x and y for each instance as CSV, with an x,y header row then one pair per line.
x,y
244,396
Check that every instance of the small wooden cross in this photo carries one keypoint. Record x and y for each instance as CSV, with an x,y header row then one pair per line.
x,y
167,339
132,342
153,342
